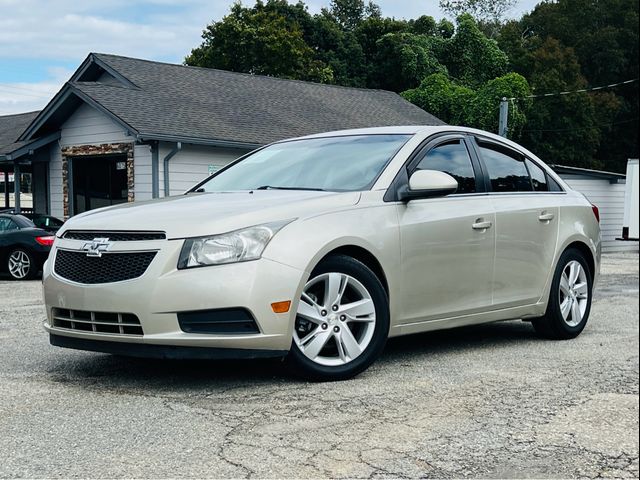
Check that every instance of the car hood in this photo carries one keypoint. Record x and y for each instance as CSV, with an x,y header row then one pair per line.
x,y
200,214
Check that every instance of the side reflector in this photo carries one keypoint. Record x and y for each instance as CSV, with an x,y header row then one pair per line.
x,y
281,307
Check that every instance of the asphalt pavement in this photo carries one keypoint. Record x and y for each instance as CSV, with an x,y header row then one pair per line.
x,y
486,401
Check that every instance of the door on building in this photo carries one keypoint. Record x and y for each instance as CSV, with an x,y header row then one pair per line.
x,y
99,181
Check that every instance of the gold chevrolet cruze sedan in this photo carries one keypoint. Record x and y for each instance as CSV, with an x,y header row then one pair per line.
x,y
320,248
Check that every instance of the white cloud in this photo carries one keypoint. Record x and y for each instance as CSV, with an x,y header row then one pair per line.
x,y
68,30
17,97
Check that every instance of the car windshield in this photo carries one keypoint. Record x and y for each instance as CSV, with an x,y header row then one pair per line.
x,y
347,163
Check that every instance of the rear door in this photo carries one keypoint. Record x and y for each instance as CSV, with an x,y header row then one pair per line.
x,y
447,243
526,224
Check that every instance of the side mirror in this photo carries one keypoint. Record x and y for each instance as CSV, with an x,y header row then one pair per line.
x,y
428,183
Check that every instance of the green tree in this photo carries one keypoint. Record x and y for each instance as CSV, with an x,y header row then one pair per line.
x,y
461,105
258,40
603,35
482,10
404,59
350,13
472,58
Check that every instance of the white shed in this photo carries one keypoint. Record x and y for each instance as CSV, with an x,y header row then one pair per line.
x,y
606,190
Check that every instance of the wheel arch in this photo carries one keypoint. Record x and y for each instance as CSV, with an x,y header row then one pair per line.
x,y
584,249
362,255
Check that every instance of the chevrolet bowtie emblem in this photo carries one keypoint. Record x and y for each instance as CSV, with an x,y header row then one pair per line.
x,y
97,246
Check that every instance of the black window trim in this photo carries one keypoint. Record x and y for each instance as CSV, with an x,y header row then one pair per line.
x,y
477,139
402,176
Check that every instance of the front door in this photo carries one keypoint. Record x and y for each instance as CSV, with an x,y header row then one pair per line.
x,y
447,244
99,181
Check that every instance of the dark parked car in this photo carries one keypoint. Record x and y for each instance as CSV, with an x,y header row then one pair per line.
x,y
46,222
23,246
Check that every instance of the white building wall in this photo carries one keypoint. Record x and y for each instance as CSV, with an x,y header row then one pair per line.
x,y
88,126
55,181
142,185
609,198
191,164
85,126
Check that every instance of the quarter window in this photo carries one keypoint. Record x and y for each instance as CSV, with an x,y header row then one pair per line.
x,y
538,177
506,169
452,158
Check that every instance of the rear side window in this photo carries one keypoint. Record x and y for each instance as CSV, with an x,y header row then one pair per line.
x,y
452,158
7,224
506,169
538,177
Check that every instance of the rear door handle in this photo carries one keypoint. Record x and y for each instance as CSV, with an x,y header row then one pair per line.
x,y
480,224
546,217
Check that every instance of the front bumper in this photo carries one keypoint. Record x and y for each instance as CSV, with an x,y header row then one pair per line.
x,y
162,291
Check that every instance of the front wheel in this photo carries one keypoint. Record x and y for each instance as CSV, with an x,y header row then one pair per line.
x,y
570,299
342,322
21,265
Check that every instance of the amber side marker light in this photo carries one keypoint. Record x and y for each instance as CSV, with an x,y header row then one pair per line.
x,y
281,307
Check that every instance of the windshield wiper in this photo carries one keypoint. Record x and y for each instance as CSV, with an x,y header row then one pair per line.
x,y
271,187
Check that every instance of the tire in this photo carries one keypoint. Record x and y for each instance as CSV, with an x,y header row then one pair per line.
x,y
21,264
569,300
354,308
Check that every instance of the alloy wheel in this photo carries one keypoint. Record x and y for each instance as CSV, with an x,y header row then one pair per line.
x,y
574,293
19,264
336,319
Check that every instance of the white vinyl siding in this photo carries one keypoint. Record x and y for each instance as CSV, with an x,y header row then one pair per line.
x,y
191,164
88,126
609,198
142,184
55,181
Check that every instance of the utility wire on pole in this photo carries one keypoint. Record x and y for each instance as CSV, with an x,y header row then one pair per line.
x,y
503,119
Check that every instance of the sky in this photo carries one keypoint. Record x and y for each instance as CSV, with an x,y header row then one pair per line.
x,y
42,42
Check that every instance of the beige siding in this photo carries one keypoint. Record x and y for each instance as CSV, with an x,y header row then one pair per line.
x,y
88,126
609,198
191,164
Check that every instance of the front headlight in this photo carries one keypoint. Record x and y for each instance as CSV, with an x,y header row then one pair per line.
x,y
238,246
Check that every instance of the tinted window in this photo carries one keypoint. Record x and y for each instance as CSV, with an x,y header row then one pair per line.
x,y
452,158
7,224
538,177
506,169
553,185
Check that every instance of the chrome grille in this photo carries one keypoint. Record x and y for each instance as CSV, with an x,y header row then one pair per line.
x,y
96,322
107,268
114,236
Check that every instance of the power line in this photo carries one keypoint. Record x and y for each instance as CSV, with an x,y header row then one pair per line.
x,y
582,90
612,124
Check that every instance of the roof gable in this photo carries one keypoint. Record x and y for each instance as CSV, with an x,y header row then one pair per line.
x,y
156,100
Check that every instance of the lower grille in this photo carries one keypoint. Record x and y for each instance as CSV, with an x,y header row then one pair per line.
x,y
97,322
219,321
108,268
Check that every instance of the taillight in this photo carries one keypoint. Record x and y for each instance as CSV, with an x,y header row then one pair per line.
x,y
596,212
46,241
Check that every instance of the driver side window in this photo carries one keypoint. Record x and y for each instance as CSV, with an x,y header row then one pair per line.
x,y
453,158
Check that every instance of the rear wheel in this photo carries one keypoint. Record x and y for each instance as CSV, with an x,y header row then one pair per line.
x,y
21,265
342,321
570,299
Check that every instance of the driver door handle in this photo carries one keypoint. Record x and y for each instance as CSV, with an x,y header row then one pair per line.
x,y
546,217
480,224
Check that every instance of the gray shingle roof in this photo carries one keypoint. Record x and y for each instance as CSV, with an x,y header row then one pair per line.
x,y
180,101
11,126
